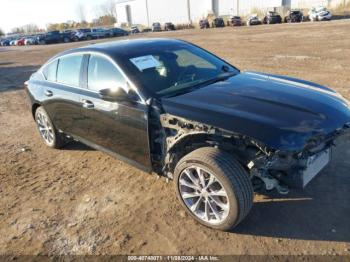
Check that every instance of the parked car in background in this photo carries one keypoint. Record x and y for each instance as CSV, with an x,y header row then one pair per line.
x,y
294,16
55,37
319,13
146,30
82,34
235,21
253,19
134,30
117,32
204,23
30,40
214,130
97,33
20,41
169,27
218,22
14,41
156,27
5,42
272,17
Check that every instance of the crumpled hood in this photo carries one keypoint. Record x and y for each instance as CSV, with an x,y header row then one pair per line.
x,y
281,112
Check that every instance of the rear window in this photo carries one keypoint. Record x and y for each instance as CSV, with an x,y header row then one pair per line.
x,y
69,70
50,71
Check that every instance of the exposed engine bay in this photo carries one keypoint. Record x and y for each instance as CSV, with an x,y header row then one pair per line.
x,y
275,169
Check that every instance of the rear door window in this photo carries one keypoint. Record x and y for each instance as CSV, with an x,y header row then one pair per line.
x,y
69,68
50,71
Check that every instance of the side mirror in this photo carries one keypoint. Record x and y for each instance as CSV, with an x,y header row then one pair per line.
x,y
114,95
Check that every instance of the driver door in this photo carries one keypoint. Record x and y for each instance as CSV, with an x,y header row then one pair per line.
x,y
120,128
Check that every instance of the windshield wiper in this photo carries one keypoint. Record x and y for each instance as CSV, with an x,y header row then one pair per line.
x,y
218,78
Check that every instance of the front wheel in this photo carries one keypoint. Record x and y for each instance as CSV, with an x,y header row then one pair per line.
x,y
214,188
47,131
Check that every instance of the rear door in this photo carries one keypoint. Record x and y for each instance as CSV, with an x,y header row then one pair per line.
x,y
118,127
62,93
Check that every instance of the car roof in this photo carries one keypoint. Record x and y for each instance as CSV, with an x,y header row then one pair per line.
x,y
117,49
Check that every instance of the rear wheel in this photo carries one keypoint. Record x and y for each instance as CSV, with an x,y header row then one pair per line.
x,y
47,131
214,188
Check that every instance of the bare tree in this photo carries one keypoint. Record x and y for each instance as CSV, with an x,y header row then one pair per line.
x,y
81,12
108,8
26,29
17,30
30,28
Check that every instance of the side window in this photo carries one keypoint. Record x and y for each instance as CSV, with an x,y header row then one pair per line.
x,y
102,74
50,71
69,70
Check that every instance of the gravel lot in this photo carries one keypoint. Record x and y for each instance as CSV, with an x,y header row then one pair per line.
x,y
80,201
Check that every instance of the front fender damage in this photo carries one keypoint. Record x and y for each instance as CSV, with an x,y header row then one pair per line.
x,y
276,168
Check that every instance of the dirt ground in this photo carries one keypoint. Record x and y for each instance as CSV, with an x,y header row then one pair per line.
x,y
81,201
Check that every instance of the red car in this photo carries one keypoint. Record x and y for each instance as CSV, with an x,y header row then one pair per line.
x,y
21,41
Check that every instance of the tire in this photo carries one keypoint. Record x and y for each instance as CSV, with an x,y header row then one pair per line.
x,y
52,138
66,40
231,179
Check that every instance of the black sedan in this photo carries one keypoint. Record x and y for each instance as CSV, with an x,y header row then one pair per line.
x,y
218,22
170,107
294,16
204,24
169,27
272,18
113,32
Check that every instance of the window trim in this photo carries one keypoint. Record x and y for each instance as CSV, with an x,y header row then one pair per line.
x,y
131,84
45,66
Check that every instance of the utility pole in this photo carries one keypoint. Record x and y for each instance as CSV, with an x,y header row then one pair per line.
x,y
147,11
237,7
189,11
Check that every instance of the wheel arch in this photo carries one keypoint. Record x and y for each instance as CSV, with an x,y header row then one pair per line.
x,y
241,148
182,136
35,106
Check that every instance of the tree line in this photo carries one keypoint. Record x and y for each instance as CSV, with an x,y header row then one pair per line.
x,y
105,13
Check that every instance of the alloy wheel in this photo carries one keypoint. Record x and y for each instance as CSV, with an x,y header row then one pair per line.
x,y
45,128
204,195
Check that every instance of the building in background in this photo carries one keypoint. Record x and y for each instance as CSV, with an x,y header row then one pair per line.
x,y
314,3
146,12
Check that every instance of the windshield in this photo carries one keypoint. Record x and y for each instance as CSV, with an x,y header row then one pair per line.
x,y
173,69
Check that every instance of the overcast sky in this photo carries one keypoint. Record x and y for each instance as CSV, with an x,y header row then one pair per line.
x,y
14,13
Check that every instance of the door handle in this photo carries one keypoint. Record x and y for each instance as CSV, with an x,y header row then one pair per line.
x,y
87,104
48,93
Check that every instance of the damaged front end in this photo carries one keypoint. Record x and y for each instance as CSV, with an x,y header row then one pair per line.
x,y
275,168
296,169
